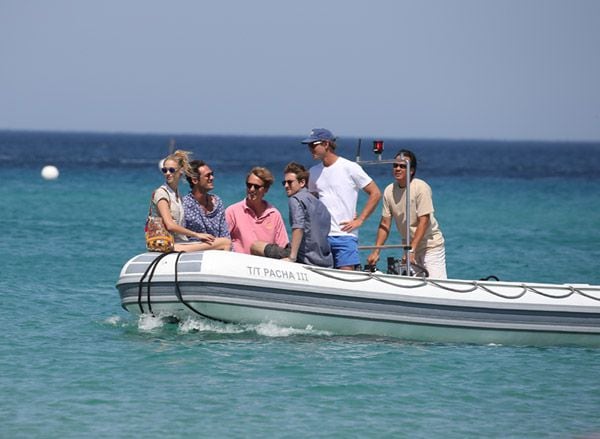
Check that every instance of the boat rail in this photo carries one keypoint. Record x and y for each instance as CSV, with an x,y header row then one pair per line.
x,y
360,276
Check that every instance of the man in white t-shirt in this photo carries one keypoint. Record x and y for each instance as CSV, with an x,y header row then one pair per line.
x,y
337,182
426,239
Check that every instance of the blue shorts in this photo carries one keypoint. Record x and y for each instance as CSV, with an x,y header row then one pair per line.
x,y
345,250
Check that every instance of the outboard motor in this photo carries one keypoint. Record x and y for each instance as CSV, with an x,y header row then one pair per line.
x,y
395,266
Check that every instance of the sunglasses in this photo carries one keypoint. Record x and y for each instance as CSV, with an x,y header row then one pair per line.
x,y
252,185
209,175
171,170
284,182
399,165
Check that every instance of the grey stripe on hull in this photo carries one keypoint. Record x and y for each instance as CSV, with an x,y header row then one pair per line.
x,y
366,308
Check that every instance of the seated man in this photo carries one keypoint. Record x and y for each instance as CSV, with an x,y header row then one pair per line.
x,y
203,211
253,218
310,222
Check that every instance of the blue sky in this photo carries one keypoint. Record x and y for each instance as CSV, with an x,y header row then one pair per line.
x,y
425,69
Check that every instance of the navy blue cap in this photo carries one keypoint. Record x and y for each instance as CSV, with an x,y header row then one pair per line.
x,y
319,134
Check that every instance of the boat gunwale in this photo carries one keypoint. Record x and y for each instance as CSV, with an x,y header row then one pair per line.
x,y
394,297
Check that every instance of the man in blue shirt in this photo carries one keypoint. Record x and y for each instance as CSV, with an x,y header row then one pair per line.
x,y
204,212
310,222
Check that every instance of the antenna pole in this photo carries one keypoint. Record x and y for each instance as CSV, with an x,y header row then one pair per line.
x,y
407,247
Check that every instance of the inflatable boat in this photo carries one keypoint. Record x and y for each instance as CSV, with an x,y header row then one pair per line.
x,y
240,288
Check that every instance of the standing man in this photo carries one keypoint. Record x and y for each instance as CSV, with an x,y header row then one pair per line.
x,y
337,182
310,222
204,212
426,239
254,219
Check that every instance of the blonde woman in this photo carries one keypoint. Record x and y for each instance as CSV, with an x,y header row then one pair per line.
x,y
167,203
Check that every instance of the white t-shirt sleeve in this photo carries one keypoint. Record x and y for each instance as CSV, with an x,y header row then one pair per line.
x,y
360,177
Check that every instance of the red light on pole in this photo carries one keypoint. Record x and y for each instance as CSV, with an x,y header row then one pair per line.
x,y
378,146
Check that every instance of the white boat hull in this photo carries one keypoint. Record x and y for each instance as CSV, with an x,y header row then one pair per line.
x,y
241,288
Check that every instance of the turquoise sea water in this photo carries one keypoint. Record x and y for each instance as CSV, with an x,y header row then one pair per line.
x,y
73,363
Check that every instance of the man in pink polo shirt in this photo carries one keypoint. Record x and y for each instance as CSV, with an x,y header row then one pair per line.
x,y
253,218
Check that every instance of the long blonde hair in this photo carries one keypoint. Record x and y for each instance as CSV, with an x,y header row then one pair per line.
x,y
182,158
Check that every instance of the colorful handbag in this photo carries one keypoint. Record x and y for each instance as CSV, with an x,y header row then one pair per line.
x,y
158,238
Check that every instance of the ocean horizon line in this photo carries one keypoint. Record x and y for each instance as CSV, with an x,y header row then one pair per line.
x,y
341,138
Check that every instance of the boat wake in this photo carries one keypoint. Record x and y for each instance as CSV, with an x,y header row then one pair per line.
x,y
151,323
113,321
272,330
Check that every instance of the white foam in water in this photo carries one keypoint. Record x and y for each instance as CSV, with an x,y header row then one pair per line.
x,y
113,320
272,330
191,324
149,322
